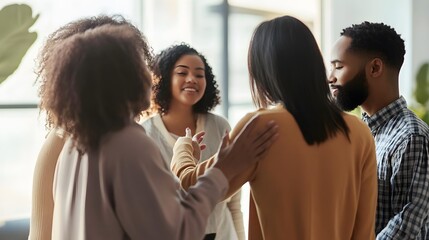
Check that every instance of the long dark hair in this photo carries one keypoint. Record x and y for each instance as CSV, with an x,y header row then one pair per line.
x,y
286,66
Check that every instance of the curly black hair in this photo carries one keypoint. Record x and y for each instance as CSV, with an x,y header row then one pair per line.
x,y
71,29
377,38
95,81
162,68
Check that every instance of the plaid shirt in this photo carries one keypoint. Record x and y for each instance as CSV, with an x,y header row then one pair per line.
x,y
403,172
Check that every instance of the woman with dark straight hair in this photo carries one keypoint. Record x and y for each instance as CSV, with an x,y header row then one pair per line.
x,y
318,180
285,66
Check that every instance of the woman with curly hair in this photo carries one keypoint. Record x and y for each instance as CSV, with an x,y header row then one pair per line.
x,y
108,173
42,201
184,92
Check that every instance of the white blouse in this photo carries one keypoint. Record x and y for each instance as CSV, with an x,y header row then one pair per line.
x,y
226,219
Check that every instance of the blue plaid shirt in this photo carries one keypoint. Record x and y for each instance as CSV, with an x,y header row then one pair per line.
x,y
402,147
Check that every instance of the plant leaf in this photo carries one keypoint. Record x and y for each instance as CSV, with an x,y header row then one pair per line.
x,y
421,91
15,37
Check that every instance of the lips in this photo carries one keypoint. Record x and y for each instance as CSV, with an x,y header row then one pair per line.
x,y
334,89
190,90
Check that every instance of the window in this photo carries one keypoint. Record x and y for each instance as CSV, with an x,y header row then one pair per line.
x,y
21,127
202,23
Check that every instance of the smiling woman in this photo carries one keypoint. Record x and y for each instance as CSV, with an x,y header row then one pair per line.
x,y
188,82
184,92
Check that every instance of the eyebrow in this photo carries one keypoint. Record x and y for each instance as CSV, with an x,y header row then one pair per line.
x,y
336,61
184,66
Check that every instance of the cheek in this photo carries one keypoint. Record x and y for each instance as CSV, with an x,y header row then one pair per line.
x,y
203,85
344,77
175,85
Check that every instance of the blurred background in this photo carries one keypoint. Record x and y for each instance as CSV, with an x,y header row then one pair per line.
x,y
220,29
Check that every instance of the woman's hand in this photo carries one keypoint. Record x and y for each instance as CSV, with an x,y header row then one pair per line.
x,y
197,144
250,146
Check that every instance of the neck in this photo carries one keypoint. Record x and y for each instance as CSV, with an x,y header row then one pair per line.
x,y
178,118
380,96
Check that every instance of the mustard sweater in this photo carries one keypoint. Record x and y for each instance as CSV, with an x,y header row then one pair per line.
x,y
304,192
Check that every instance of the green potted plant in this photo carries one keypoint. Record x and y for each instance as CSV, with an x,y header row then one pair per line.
x,y
421,93
15,36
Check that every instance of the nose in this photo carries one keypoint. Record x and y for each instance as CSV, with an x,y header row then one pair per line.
x,y
191,79
331,78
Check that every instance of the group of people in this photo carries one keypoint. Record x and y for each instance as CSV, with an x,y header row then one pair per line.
x,y
315,172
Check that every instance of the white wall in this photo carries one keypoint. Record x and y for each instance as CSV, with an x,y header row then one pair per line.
x,y
410,18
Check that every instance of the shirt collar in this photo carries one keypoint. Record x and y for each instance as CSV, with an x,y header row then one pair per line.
x,y
384,114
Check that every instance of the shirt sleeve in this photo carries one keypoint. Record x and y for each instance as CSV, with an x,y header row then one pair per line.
x,y
184,167
234,206
183,164
43,177
148,201
410,178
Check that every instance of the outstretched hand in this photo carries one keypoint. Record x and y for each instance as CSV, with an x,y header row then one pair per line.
x,y
249,147
197,144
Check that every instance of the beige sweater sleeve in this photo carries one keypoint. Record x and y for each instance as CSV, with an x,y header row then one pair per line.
x,y
234,206
184,167
42,198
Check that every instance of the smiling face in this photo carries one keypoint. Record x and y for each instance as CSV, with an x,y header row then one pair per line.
x,y
188,81
347,80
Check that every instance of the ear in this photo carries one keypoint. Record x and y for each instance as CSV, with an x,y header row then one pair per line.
x,y
375,67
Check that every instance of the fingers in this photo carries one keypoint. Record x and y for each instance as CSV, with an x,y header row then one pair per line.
x,y
188,132
199,137
265,146
266,138
268,132
225,140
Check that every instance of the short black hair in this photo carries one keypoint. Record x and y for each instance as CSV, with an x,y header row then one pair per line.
x,y
162,68
377,38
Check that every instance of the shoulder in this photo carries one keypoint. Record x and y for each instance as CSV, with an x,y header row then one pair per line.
x,y
218,120
149,123
129,155
404,127
413,124
261,116
355,122
152,125
129,143
359,131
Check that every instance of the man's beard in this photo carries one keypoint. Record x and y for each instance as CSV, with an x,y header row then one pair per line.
x,y
353,93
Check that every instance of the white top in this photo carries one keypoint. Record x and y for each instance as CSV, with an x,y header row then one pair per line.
x,y
115,193
227,218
